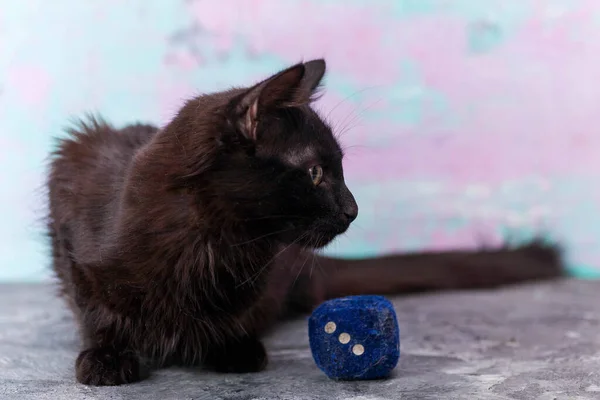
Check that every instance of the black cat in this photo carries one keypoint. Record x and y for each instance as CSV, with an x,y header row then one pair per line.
x,y
184,244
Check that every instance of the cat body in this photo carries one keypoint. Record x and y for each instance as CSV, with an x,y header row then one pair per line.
x,y
183,245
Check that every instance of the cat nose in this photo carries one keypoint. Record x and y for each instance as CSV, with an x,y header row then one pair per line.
x,y
350,216
348,204
351,213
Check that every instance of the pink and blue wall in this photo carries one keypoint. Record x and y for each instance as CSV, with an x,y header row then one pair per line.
x,y
466,121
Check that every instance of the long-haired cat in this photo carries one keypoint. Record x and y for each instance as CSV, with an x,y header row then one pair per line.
x,y
184,244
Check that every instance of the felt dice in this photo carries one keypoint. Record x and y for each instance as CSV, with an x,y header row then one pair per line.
x,y
355,337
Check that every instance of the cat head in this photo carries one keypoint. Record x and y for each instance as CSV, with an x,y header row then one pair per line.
x,y
274,166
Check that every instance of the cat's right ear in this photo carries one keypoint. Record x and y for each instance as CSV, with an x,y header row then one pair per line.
x,y
292,87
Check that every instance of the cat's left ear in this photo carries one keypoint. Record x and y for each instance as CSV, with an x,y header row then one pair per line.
x,y
293,87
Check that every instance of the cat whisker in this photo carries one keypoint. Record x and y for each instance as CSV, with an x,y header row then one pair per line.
x,y
261,237
301,268
302,236
253,278
348,98
347,123
314,259
277,216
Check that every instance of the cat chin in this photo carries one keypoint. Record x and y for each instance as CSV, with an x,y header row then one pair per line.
x,y
317,240
319,235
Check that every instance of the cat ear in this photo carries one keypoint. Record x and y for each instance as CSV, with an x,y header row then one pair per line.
x,y
307,90
292,87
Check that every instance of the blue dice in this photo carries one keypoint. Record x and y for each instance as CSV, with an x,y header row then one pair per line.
x,y
355,337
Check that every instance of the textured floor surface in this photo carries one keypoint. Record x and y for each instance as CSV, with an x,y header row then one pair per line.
x,y
528,342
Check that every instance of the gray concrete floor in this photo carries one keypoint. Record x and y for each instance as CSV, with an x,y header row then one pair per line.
x,y
527,342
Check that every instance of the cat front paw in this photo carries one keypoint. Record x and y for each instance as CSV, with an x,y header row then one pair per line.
x,y
246,355
105,366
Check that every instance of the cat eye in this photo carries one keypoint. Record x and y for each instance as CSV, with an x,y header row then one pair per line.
x,y
316,174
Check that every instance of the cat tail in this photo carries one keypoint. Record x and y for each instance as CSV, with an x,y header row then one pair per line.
x,y
434,271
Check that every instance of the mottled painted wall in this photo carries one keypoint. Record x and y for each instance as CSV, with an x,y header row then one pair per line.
x,y
465,119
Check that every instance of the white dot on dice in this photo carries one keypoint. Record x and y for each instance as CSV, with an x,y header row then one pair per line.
x,y
358,349
330,327
344,338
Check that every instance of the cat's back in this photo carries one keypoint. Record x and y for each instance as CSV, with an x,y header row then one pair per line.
x,y
86,177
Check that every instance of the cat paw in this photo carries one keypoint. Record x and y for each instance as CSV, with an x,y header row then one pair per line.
x,y
106,366
247,355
